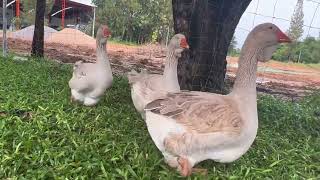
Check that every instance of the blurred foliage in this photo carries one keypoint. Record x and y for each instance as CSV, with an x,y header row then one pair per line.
x,y
295,31
29,11
137,21
306,51
232,50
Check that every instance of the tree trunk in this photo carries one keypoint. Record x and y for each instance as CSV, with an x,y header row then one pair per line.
x,y
38,37
209,26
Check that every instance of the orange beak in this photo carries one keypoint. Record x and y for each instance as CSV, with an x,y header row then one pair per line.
x,y
106,32
184,44
283,38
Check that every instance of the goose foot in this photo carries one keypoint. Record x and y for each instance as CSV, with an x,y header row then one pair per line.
x,y
76,97
184,168
172,161
72,99
90,102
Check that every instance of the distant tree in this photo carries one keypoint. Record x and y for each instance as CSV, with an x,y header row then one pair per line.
x,y
38,37
136,20
209,26
296,25
233,44
306,51
295,31
29,12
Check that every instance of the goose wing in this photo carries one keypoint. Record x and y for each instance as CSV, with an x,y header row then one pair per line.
x,y
199,112
80,80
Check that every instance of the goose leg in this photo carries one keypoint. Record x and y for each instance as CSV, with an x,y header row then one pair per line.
x,y
72,100
171,160
90,101
75,96
177,144
93,97
184,167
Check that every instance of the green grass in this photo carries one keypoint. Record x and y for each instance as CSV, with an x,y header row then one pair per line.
x,y
315,66
311,66
117,41
43,136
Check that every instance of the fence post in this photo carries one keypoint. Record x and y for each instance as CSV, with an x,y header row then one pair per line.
x,y
18,14
63,13
4,28
94,20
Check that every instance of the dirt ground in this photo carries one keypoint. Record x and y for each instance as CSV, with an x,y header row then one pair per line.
x,y
287,80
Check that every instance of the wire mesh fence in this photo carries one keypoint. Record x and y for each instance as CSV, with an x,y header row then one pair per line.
x,y
280,14
259,11
75,41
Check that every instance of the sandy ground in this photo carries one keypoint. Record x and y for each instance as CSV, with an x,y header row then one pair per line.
x,y
69,46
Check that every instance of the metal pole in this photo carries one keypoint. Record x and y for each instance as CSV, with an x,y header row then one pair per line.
x,y
94,20
299,56
63,13
4,28
18,13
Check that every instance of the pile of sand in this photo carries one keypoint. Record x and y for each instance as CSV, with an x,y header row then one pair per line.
x,y
27,33
70,36
66,36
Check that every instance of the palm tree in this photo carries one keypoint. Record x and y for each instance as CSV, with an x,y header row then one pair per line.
x,y
38,38
209,26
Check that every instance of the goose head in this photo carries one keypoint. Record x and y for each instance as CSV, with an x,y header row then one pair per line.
x,y
177,44
266,37
103,34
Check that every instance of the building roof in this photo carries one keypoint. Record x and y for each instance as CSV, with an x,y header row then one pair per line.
x,y
84,2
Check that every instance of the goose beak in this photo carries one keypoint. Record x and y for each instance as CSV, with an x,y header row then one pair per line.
x,y
184,44
107,32
283,38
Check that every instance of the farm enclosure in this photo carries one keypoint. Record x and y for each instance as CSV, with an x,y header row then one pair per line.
x,y
70,45
43,135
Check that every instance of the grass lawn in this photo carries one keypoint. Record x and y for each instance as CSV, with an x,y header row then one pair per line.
x,y
117,41
312,66
43,136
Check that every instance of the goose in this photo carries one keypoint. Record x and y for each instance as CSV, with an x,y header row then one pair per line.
x,y
148,87
189,127
90,80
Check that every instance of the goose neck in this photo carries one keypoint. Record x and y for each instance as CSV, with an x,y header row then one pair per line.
x,y
101,53
247,71
170,71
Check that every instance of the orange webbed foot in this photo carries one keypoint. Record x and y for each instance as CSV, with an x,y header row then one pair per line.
x,y
185,168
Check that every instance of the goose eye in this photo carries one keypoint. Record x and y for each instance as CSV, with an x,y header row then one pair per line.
x,y
270,27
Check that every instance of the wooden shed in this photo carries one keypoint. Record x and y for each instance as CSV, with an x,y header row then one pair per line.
x,y
14,7
72,13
